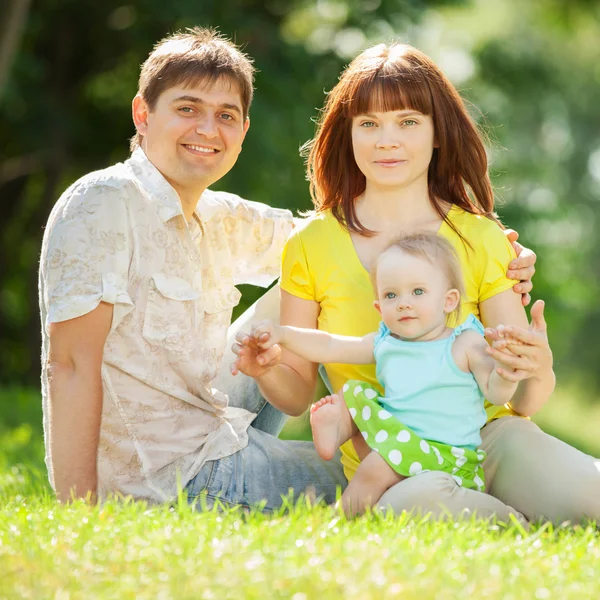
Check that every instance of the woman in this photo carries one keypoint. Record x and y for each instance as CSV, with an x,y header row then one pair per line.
x,y
395,152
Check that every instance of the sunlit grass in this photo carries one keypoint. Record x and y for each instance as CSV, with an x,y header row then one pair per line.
x,y
131,550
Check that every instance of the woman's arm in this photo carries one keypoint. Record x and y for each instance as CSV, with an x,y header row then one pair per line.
x,y
521,347
314,345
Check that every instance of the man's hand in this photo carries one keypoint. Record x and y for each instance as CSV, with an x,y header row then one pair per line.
x,y
522,267
255,355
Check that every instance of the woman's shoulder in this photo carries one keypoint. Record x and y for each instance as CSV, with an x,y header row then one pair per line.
x,y
472,225
315,229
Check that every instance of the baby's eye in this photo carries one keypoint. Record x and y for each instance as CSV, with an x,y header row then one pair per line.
x,y
418,291
390,296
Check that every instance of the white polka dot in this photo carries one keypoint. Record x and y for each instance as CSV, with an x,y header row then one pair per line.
x,y
352,412
457,451
480,457
403,436
454,470
461,460
457,479
370,394
345,388
415,468
364,434
395,457
439,455
357,390
478,482
381,436
425,446
366,413
384,415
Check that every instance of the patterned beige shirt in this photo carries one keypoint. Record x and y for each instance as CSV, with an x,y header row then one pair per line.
x,y
120,236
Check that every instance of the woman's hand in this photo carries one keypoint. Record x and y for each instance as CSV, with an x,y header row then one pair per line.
x,y
524,353
522,267
252,360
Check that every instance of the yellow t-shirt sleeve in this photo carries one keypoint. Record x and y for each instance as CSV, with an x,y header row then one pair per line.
x,y
296,278
493,261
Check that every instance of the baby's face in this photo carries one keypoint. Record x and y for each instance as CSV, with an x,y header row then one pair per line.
x,y
413,295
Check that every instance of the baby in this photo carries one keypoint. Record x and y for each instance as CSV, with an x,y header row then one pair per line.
x,y
435,377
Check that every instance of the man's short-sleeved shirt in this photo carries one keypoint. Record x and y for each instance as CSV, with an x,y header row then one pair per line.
x,y
119,236
342,286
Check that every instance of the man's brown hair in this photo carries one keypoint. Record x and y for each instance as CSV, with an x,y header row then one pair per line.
x,y
198,55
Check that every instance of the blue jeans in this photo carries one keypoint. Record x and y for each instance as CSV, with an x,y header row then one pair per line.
x,y
268,468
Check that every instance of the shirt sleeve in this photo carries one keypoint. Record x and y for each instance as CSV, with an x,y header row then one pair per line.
x,y
86,255
260,233
497,252
296,278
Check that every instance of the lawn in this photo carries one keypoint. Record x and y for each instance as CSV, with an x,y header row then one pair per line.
x,y
130,550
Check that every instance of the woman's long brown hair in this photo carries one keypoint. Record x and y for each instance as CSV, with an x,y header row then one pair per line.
x,y
397,77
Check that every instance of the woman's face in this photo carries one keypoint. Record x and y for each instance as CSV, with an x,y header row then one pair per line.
x,y
393,149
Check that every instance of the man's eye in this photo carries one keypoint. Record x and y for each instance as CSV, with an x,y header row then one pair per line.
x,y
186,109
418,291
390,296
227,117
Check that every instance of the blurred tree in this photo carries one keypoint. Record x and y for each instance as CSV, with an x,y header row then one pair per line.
x,y
532,69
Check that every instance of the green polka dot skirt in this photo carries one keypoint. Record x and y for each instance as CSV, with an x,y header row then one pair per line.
x,y
402,448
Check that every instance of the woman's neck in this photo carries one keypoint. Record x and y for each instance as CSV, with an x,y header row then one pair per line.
x,y
388,208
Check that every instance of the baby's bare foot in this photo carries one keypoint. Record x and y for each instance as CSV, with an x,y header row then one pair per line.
x,y
325,423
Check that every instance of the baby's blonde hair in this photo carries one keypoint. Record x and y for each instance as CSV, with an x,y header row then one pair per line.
x,y
433,248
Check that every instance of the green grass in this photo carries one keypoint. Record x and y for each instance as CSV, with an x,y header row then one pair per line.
x,y
130,550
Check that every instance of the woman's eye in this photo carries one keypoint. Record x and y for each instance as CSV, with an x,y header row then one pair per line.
x,y
418,291
367,124
409,122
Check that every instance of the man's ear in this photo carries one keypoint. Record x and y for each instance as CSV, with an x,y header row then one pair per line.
x,y
377,306
139,111
452,300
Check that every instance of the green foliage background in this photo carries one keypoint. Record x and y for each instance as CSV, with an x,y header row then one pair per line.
x,y
531,69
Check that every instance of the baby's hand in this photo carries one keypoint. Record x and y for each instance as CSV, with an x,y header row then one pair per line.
x,y
266,334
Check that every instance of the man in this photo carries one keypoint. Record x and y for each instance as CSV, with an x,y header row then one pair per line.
x,y
137,289
138,268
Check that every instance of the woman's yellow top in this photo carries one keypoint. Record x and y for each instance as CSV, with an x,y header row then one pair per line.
x,y
321,264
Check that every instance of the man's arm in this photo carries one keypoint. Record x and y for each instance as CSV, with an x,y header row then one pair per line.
x,y
75,400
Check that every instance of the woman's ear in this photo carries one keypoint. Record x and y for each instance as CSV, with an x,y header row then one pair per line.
x,y
452,301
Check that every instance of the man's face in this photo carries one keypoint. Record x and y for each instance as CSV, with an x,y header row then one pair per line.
x,y
194,134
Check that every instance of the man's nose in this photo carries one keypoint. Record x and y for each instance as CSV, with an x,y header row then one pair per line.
x,y
207,127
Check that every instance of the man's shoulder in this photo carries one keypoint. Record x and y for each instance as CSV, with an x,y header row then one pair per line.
x,y
215,202
104,185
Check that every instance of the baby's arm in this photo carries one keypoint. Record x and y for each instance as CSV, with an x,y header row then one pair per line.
x,y
487,372
314,345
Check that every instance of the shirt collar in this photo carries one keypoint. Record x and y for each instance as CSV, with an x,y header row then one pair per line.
x,y
158,188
